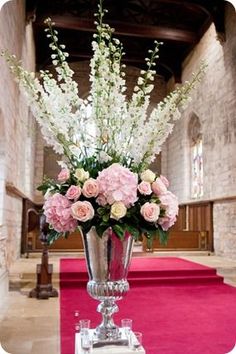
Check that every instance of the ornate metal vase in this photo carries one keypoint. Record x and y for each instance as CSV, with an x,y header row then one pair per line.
x,y
108,260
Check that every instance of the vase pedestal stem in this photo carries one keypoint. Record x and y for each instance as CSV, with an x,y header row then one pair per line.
x,y
107,328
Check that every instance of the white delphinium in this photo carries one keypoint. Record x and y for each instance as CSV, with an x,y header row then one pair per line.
x,y
34,92
107,88
160,123
132,131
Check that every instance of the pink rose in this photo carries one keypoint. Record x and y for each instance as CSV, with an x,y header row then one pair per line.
x,y
82,211
90,188
64,175
159,187
145,188
150,211
73,192
58,214
165,181
101,200
166,222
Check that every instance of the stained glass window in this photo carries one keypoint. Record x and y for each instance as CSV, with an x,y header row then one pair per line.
x,y
197,170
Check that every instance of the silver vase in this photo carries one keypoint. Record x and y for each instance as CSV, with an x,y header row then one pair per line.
x,y
108,260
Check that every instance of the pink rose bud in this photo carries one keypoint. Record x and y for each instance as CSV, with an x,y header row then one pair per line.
x,y
150,212
90,188
73,192
101,200
64,175
145,188
166,222
82,211
169,203
165,181
159,187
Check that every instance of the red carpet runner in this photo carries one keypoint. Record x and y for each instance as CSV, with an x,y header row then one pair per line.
x,y
180,307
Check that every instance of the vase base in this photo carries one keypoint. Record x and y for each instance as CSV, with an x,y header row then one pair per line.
x,y
108,334
102,343
101,339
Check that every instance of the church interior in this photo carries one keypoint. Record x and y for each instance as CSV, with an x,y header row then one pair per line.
x,y
198,158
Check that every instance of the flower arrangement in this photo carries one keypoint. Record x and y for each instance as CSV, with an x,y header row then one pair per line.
x,y
104,180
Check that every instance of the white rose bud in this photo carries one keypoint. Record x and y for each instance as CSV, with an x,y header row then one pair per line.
x,y
148,176
118,210
81,174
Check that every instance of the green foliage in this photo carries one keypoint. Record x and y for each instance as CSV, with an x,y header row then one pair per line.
x,y
52,236
119,231
163,236
47,184
134,231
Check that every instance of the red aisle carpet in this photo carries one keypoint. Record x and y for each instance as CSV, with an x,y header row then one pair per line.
x,y
181,307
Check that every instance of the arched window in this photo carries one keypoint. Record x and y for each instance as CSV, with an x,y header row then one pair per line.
x,y
195,135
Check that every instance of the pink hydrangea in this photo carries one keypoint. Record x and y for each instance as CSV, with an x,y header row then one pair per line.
x,y
57,209
118,184
169,202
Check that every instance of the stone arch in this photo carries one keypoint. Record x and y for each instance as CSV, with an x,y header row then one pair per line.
x,y
194,129
2,3
195,156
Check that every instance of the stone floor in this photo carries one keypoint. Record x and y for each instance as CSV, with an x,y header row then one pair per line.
x,y
31,326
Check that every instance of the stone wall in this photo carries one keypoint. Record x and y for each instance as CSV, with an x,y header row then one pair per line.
x,y
17,133
224,219
214,102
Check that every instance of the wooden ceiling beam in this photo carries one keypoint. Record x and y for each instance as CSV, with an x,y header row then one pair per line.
x,y
125,29
195,6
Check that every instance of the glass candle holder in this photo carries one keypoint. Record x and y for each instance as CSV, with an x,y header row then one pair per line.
x,y
84,325
86,341
136,341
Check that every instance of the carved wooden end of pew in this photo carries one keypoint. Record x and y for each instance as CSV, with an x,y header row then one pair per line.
x,y
44,271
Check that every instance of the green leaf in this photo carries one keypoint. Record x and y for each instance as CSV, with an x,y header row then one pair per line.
x,y
149,243
42,187
101,229
67,233
106,217
101,211
53,236
119,230
163,236
133,231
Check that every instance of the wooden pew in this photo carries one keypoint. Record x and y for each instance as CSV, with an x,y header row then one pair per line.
x,y
179,241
